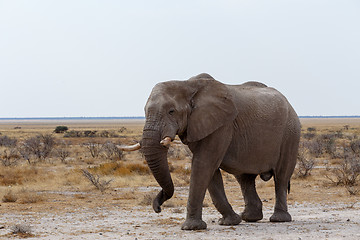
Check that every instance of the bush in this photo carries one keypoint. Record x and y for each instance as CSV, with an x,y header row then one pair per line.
x,y
73,134
309,135
61,129
314,146
62,151
347,173
39,146
328,143
102,185
111,151
355,146
7,141
9,156
311,129
94,148
305,164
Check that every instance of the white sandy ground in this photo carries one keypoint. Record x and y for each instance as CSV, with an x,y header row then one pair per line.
x,y
310,221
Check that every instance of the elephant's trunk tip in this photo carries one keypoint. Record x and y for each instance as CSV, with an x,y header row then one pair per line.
x,y
161,198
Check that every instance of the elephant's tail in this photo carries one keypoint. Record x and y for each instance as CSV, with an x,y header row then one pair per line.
x,y
288,187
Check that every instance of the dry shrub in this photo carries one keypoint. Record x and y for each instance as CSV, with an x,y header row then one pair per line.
x,y
347,173
9,156
355,146
22,231
40,146
95,148
100,184
9,197
62,151
305,163
8,141
111,151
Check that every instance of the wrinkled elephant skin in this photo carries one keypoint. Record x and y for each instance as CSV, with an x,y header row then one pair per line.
x,y
246,130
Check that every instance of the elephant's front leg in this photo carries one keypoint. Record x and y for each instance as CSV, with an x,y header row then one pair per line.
x,y
198,185
207,156
217,193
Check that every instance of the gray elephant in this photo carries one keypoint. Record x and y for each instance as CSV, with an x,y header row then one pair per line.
x,y
245,130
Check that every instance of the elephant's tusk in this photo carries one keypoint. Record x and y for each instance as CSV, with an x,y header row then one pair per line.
x,y
166,141
129,148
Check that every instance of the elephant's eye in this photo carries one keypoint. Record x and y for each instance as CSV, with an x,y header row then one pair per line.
x,y
172,111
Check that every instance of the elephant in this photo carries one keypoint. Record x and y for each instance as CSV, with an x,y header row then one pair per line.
x,y
245,130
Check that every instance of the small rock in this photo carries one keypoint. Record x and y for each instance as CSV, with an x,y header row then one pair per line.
x,y
348,220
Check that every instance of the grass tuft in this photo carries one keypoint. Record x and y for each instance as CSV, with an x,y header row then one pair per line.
x,y
9,197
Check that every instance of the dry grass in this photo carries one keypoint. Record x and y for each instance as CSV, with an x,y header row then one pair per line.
x,y
22,196
121,169
18,175
53,186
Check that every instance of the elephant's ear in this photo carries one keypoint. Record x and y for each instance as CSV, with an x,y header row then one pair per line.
x,y
212,107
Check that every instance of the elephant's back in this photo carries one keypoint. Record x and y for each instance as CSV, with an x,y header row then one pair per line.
x,y
253,84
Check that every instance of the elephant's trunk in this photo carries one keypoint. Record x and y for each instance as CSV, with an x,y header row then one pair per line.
x,y
156,158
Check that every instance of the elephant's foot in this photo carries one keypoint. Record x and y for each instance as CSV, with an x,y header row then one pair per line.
x,y
252,215
193,224
280,216
234,219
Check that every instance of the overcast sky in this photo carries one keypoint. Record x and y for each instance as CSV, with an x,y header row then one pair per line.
x,y
89,58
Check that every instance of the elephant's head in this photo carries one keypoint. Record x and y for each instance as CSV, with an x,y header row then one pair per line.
x,y
192,109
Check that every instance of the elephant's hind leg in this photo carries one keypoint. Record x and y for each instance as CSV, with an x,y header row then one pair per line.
x,y
282,179
281,213
217,193
253,204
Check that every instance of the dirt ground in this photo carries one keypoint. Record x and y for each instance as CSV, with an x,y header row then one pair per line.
x,y
71,208
311,220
